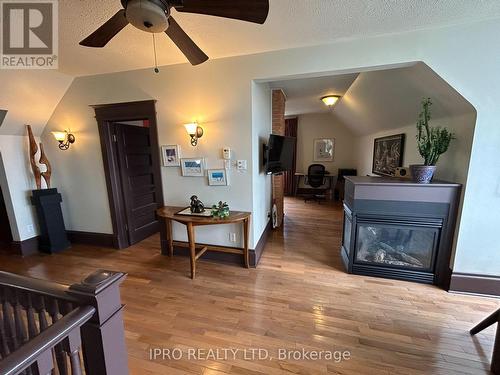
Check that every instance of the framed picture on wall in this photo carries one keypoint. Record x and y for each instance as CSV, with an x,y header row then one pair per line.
x,y
171,156
193,167
217,177
388,154
324,149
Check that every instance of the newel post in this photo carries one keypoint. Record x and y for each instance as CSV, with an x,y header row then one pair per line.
x,y
103,336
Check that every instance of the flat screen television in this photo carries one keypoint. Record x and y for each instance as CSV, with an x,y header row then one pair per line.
x,y
279,154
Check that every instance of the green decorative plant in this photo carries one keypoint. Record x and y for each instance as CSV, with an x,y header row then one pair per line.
x,y
220,210
432,142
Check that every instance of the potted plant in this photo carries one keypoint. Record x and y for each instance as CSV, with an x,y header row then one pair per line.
x,y
221,210
432,142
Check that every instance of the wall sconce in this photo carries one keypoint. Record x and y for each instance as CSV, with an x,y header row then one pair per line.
x,y
330,100
64,138
195,131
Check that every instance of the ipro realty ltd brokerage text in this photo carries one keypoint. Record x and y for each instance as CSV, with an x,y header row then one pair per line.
x,y
248,354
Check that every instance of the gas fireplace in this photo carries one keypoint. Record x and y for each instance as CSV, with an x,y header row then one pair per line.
x,y
397,229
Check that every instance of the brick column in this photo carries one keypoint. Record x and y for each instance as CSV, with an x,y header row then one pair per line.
x,y
278,110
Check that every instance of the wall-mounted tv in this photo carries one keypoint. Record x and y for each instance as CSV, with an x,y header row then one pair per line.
x,y
278,155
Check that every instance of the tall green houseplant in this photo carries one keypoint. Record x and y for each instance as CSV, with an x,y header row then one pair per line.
x,y
432,142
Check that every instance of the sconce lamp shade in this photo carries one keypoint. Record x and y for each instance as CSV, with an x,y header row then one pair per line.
x,y
64,138
59,136
330,100
191,128
195,131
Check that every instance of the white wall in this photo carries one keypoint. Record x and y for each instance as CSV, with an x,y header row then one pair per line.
x,y
29,97
452,166
324,125
216,97
17,182
261,183
219,93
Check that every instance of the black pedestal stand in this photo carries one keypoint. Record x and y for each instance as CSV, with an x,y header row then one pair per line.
x,y
53,237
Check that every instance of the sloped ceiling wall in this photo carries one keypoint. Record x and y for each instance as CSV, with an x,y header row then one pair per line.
x,y
29,97
388,99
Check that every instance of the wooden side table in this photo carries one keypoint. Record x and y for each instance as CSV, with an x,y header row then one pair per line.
x,y
170,213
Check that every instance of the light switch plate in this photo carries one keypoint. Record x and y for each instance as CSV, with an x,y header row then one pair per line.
x,y
241,165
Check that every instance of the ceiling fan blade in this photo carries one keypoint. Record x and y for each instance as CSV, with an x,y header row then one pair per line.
x,y
246,10
189,48
106,32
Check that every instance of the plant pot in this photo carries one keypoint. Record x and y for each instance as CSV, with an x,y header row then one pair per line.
x,y
422,174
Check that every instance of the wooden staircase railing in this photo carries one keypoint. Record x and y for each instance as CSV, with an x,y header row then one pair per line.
x,y
42,324
36,356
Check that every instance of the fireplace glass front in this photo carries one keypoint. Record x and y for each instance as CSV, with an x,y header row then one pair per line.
x,y
399,246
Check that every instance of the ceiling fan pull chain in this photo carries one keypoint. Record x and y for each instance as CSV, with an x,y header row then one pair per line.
x,y
154,50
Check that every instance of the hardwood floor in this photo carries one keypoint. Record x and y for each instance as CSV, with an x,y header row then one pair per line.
x,y
298,298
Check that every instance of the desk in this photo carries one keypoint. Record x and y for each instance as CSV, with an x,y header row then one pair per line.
x,y
299,175
169,214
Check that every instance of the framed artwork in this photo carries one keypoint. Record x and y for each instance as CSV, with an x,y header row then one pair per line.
x,y
324,149
193,167
217,177
388,154
171,155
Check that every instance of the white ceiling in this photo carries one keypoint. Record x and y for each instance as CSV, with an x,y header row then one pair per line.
x,y
303,95
291,23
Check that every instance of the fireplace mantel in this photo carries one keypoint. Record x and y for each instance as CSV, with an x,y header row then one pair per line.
x,y
399,229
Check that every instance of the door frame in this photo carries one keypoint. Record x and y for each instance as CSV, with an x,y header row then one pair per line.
x,y
105,115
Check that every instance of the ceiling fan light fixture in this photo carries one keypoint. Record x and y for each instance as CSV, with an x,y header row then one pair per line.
x,y
147,15
153,16
330,100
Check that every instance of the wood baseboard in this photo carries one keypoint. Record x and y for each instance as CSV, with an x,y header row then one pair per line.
x,y
91,238
475,284
31,246
261,244
25,247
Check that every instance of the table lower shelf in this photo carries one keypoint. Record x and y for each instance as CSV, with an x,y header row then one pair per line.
x,y
220,249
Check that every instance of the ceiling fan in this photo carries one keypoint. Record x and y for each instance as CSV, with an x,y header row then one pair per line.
x,y
154,16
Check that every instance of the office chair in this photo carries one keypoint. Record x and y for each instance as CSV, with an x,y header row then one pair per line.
x,y
315,179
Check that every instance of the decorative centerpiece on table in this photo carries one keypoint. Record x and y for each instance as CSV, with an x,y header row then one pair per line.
x,y
196,206
432,142
220,210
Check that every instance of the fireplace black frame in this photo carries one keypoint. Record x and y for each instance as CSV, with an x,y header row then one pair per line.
x,y
434,226
410,205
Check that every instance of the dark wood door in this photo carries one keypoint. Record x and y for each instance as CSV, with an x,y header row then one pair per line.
x,y
5,232
140,181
